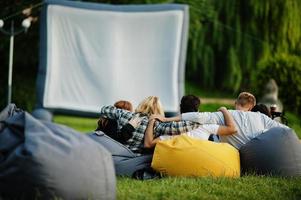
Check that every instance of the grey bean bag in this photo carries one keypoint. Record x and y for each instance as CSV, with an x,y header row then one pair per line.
x,y
125,161
43,160
7,112
276,152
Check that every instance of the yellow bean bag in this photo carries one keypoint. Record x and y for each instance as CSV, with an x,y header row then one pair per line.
x,y
186,156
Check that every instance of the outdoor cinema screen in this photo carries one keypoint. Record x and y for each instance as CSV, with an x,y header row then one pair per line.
x,y
95,54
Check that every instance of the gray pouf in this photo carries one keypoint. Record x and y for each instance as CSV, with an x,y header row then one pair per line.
x,y
275,152
43,160
125,161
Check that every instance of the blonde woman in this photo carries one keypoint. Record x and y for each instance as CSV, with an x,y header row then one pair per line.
x,y
147,107
150,106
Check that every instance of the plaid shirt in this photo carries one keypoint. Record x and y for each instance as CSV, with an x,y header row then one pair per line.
x,y
136,143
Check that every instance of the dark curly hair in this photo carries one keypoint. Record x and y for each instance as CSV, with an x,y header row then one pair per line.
x,y
261,108
190,103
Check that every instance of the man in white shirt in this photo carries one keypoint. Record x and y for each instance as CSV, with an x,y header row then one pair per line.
x,y
248,124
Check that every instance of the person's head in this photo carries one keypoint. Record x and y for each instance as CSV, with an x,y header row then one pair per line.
x,y
108,126
190,103
126,105
245,101
261,108
150,105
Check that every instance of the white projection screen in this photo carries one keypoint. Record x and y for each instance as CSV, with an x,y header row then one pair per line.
x,y
93,55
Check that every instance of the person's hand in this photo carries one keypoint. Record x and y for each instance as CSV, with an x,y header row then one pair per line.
x,y
135,121
222,108
157,117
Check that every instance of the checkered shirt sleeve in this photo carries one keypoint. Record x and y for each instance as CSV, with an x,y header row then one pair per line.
x,y
111,112
174,128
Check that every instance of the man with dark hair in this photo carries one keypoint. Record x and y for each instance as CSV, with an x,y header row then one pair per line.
x,y
190,103
262,109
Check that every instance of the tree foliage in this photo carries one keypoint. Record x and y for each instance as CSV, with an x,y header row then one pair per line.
x,y
226,46
227,40
286,71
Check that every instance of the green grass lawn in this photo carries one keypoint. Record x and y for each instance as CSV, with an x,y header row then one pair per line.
x,y
191,88
78,123
246,187
294,122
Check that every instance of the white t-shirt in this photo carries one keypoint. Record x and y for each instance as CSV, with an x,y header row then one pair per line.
x,y
248,124
203,132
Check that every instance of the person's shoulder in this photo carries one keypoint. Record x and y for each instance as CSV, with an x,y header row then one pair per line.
x,y
237,112
257,115
247,114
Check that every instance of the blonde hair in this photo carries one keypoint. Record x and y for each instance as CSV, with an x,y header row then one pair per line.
x,y
245,98
150,105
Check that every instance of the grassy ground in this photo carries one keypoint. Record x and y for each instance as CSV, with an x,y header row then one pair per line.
x,y
248,187
294,122
195,89
78,123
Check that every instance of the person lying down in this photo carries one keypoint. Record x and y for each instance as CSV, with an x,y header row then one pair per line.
x,y
202,132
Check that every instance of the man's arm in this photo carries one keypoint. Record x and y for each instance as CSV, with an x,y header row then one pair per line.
x,y
197,117
174,128
121,115
166,119
110,112
202,117
229,127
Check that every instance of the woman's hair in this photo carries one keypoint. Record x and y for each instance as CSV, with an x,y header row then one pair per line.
x,y
261,108
150,105
126,105
108,126
190,103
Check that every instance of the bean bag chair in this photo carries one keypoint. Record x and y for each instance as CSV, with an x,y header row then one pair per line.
x,y
7,112
275,152
125,161
43,160
186,156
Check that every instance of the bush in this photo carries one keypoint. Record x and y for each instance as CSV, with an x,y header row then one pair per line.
x,y
286,71
23,91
